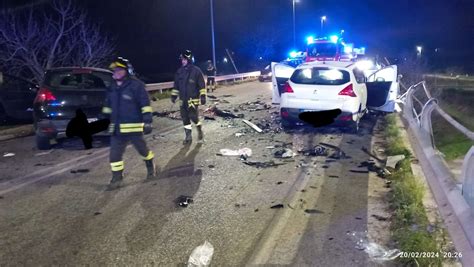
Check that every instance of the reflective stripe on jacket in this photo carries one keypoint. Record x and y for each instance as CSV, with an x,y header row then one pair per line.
x,y
128,106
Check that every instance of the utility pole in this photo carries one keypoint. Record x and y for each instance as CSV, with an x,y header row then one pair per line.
x,y
232,60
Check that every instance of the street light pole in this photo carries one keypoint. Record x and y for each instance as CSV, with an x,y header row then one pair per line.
x,y
213,37
294,27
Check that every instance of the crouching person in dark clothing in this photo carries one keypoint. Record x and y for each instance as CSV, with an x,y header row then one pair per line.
x,y
128,105
80,127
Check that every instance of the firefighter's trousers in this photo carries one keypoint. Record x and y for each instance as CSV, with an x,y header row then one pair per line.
x,y
118,143
189,113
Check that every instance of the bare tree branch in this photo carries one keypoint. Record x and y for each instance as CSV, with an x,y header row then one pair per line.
x,y
33,40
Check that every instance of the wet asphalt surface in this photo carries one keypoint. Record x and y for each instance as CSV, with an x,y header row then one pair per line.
x,y
54,209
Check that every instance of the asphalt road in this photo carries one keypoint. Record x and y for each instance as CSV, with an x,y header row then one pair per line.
x,y
50,214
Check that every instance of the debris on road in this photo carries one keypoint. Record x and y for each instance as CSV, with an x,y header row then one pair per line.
x,y
380,218
376,252
393,160
315,152
279,183
211,166
201,255
239,134
267,164
246,152
80,171
209,118
184,201
214,111
284,153
313,211
175,115
97,213
255,127
278,206
43,153
8,155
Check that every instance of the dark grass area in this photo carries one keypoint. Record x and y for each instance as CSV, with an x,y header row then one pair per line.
x,y
411,228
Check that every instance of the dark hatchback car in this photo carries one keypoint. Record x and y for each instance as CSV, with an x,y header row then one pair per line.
x,y
16,98
63,91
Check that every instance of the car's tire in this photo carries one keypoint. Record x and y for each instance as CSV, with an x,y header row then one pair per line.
x,y
43,142
286,124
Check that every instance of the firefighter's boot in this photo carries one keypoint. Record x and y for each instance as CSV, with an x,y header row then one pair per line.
x,y
200,134
116,182
189,138
151,169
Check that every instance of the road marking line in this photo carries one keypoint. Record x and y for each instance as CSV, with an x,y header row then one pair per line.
x,y
15,184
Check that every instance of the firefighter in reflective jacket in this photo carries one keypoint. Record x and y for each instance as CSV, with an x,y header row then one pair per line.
x,y
128,106
190,87
211,76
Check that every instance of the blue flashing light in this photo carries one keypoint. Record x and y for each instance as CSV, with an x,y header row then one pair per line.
x,y
310,39
293,54
334,38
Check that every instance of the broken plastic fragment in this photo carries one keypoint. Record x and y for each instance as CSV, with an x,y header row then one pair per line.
x,y
278,206
247,152
393,160
201,255
184,201
284,153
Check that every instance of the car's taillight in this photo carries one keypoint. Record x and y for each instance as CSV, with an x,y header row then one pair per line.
x,y
43,95
348,91
287,88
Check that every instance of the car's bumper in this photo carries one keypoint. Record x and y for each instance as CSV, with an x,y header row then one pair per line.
x,y
333,117
55,128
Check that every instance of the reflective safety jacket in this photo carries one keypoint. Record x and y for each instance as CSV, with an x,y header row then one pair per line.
x,y
128,106
189,85
210,71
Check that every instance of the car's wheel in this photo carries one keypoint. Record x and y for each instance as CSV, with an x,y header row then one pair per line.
x,y
286,124
43,142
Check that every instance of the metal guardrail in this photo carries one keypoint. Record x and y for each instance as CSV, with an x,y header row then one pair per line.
x,y
224,78
440,178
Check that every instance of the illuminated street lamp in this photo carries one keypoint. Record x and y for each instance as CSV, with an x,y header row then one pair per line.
x,y
323,19
419,49
225,60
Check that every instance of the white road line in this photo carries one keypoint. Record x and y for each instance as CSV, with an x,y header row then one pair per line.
x,y
16,184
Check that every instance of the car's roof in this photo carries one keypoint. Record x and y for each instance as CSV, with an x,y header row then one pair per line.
x,y
79,68
337,64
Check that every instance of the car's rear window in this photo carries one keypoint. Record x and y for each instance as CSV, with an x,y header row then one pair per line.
x,y
78,79
320,76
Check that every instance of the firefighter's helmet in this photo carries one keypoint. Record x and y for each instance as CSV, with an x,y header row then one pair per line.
x,y
123,63
187,54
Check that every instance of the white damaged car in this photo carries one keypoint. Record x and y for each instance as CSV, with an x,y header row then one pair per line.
x,y
332,92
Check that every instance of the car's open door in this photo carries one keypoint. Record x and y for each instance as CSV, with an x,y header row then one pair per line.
x,y
383,89
280,74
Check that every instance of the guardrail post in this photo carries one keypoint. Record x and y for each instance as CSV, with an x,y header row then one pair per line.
x,y
425,119
467,177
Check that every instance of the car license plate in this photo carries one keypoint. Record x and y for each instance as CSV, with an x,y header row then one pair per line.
x,y
89,120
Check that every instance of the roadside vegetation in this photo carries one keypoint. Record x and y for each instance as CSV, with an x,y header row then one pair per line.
x,y
411,229
457,103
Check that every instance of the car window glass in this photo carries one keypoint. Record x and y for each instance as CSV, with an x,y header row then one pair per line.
x,y
320,76
359,75
67,80
14,84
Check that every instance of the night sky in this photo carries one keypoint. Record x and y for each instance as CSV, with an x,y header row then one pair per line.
x,y
151,33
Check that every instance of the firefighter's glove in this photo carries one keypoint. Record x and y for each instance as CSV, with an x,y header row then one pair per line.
x,y
174,98
203,99
147,128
